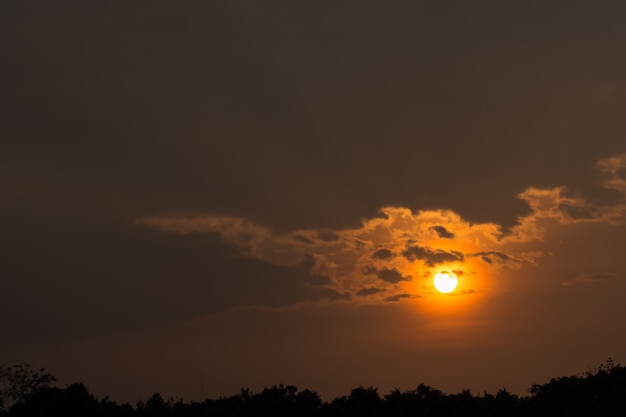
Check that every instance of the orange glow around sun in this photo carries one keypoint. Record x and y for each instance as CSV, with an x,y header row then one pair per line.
x,y
452,290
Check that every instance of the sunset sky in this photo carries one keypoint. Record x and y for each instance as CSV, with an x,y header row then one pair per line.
x,y
203,195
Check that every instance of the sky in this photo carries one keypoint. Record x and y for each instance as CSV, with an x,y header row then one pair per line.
x,y
204,195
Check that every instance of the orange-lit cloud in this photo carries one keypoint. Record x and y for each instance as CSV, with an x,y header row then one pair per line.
x,y
385,260
614,171
393,256
566,206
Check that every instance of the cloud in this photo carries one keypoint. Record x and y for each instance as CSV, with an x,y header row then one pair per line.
x,y
431,256
558,203
303,239
151,277
614,171
328,236
384,254
591,278
463,292
363,260
391,276
566,206
353,262
369,291
442,232
493,257
397,297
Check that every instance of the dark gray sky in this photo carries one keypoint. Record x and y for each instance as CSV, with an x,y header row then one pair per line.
x,y
202,189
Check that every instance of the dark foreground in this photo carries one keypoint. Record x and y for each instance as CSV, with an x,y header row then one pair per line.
x,y
602,392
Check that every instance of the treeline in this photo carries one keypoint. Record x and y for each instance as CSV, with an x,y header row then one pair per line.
x,y
601,392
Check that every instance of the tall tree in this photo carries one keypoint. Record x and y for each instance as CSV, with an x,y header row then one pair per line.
x,y
19,381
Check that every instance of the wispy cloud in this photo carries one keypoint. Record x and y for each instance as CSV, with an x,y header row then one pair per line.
x,y
614,172
369,291
494,257
397,297
566,206
591,278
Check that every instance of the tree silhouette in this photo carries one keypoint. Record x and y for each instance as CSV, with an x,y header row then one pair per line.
x,y
154,407
19,381
600,392
72,401
362,402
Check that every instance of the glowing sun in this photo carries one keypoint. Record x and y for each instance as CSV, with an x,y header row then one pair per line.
x,y
445,281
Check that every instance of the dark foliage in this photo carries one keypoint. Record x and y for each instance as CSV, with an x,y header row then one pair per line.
x,y
20,381
600,392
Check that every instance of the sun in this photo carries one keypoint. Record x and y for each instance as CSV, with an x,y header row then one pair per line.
x,y
445,281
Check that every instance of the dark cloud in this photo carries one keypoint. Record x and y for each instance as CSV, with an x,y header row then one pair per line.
x,y
368,270
431,256
576,212
443,232
397,297
330,295
328,236
391,275
303,239
96,275
496,257
384,254
591,278
463,292
318,280
369,291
